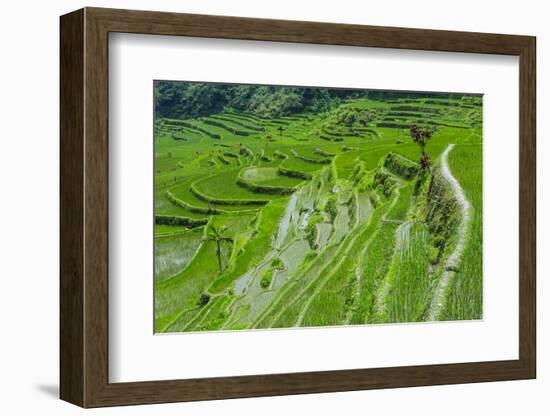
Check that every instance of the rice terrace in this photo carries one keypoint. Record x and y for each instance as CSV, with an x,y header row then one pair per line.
x,y
280,207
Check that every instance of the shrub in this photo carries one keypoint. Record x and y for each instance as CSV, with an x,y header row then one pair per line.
x,y
245,151
331,207
400,166
231,154
384,182
331,139
204,299
310,159
279,155
293,173
311,255
223,160
177,136
236,122
174,220
311,229
266,278
264,189
277,264
324,153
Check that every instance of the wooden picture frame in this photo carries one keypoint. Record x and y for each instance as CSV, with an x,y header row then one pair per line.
x,y
84,207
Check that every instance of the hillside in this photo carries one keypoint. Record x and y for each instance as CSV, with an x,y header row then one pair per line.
x,y
318,217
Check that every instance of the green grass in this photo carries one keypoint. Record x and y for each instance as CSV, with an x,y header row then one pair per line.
x,y
168,229
223,187
408,279
301,165
465,297
182,191
255,246
174,251
268,176
373,266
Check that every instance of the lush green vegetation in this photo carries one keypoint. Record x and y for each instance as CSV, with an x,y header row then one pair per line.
x,y
282,207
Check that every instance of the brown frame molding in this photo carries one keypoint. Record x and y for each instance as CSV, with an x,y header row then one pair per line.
x,y
84,207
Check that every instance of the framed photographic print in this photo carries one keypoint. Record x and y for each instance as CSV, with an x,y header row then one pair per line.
x,y
256,207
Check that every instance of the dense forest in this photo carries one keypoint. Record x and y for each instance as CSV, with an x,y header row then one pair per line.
x,y
174,99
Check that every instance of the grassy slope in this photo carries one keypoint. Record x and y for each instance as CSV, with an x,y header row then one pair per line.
x,y
465,296
324,288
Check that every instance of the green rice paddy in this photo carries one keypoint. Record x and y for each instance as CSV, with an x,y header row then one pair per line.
x,y
323,222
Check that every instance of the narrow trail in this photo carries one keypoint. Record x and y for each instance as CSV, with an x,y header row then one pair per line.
x,y
453,261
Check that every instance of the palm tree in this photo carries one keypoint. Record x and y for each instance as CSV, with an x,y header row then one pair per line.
x,y
217,234
267,140
421,137
281,133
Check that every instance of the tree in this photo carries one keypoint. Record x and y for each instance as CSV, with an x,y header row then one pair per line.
x,y
204,299
218,235
421,137
267,140
281,133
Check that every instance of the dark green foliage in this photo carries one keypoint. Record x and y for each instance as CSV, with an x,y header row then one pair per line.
x,y
417,108
311,230
221,201
237,122
210,210
177,136
438,102
350,117
331,139
267,277
443,212
193,127
393,125
324,153
279,155
225,127
219,236
330,207
265,189
188,100
245,151
223,160
312,160
192,100
400,166
173,220
204,299
277,264
293,173
384,181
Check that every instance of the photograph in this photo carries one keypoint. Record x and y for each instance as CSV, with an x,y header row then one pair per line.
x,y
289,206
